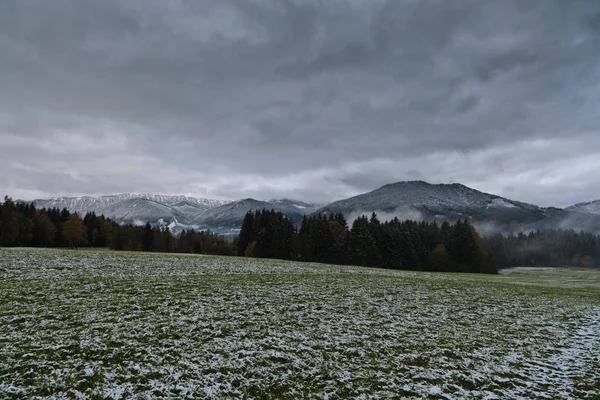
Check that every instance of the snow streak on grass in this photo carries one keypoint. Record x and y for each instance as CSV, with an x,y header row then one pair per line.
x,y
77,324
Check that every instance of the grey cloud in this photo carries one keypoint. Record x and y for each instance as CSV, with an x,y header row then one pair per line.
x,y
312,99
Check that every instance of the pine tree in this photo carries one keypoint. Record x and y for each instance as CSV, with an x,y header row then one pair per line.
x,y
92,224
316,239
246,233
43,231
169,241
363,247
25,228
117,242
148,238
339,248
9,226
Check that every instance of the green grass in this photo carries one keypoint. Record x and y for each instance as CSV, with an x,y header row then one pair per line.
x,y
125,325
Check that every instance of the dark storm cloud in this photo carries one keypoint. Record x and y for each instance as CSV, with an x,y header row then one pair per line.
x,y
312,99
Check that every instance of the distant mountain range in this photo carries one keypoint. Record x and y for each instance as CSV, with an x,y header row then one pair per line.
x,y
405,200
176,212
136,209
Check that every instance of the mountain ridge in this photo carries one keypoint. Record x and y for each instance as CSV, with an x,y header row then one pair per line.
x,y
134,208
418,200
588,207
490,213
177,212
111,199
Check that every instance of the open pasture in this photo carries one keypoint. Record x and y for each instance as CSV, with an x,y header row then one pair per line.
x,y
108,325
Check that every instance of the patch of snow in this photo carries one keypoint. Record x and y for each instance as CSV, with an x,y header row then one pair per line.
x,y
501,203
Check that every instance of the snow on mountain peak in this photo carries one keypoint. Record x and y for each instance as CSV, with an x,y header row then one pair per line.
x,y
590,207
135,207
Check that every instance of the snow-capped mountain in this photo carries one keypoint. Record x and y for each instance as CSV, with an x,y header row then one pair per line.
x,y
590,207
177,212
423,197
136,208
85,204
489,213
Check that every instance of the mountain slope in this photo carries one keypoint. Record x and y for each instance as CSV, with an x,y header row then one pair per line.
x,y
590,207
140,211
136,208
85,204
452,200
177,212
489,213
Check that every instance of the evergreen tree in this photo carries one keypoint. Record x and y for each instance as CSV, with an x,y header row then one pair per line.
x,y
339,249
266,234
117,242
363,247
316,239
168,240
101,236
91,224
246,233
25,228
148,238
43,231
9,227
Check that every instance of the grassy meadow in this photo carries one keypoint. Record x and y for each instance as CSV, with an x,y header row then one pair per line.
x,y
111,325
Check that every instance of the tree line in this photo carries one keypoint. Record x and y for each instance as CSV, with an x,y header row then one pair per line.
x,y
396,244
21,224
369,242
552,247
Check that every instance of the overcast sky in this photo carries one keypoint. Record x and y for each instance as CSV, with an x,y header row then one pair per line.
x,y
313,100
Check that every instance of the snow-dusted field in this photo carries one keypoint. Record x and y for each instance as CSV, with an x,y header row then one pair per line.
x,y
82,324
